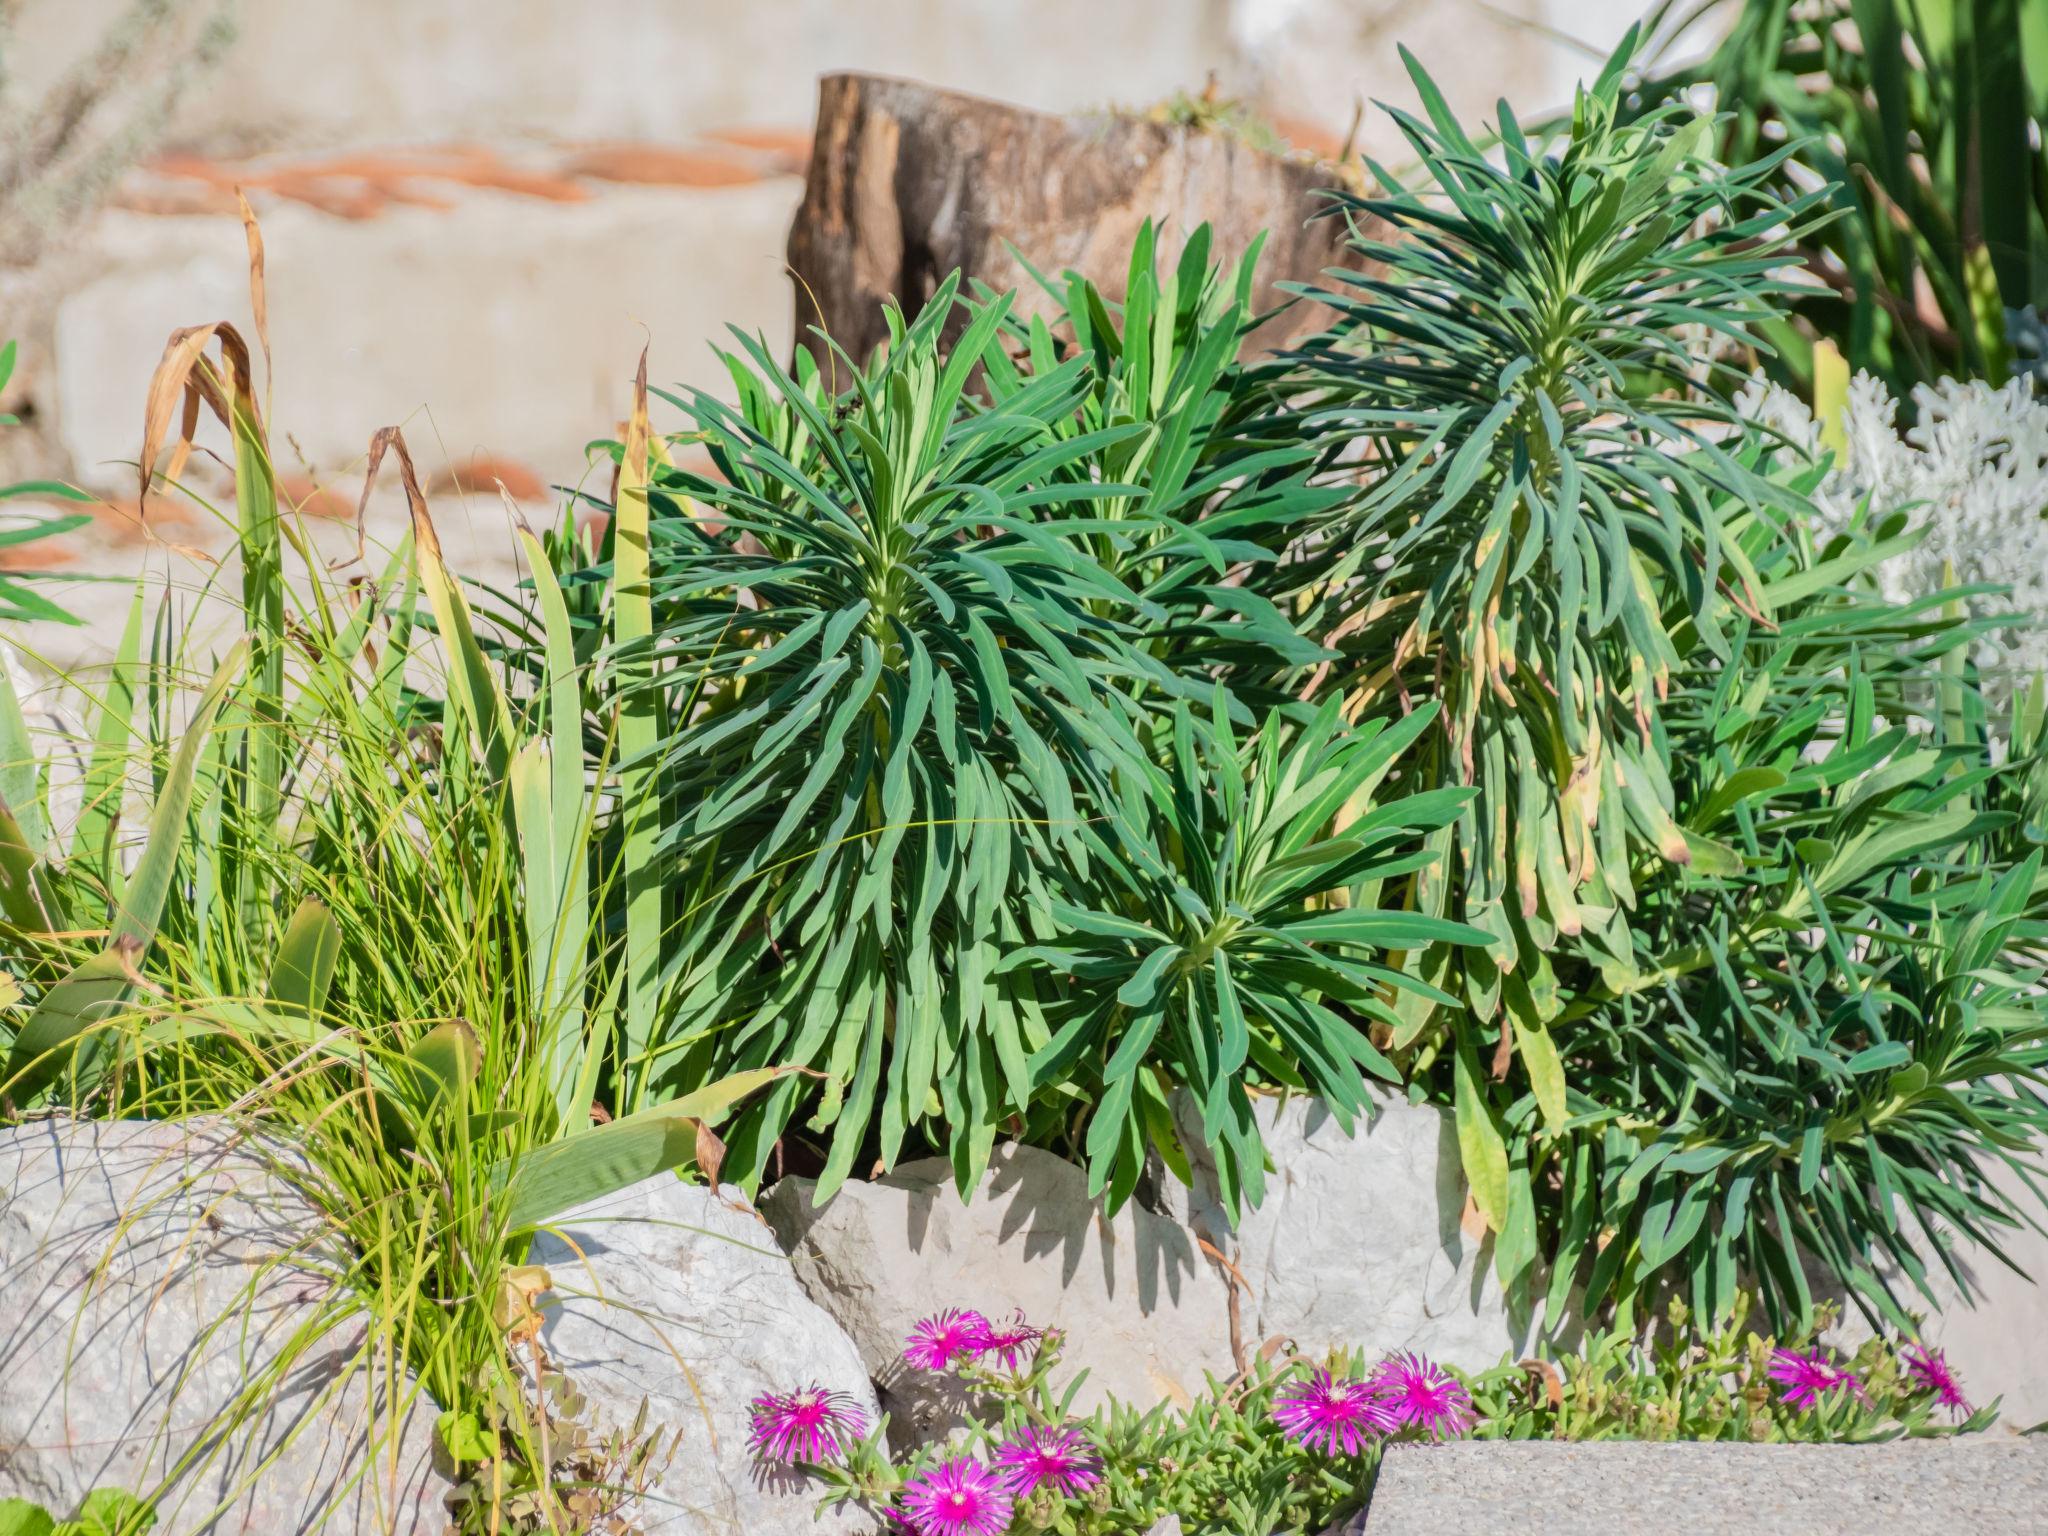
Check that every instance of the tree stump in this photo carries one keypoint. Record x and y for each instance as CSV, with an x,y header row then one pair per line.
x,y
908,182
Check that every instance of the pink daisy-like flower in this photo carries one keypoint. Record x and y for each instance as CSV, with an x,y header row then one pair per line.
x,y
1929,1371
1061,1459
946,1339
957,1498
1008,1344
1420,1394
1805,1379
812,1425
1331,1415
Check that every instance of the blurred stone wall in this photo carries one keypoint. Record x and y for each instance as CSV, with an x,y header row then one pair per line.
x,y
476,211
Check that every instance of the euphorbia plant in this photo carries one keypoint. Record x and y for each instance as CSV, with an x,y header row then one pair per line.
x,y
918,647
1731,1014
1202,950
890,676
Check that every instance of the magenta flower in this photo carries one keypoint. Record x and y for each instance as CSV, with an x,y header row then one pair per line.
x,y
1420,1394
1331,1415
1929,1371
957,1498
1805,1379
812,1425
1009,1343
949,1338
1060,1459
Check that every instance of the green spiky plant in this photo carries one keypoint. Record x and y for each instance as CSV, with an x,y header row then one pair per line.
x,y
1537,482
1731,1010
913,643
882,684
1198,952
1845,1041
1216,494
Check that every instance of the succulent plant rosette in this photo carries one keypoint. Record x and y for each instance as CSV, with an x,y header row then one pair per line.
x,y
1294,1443
1286,1444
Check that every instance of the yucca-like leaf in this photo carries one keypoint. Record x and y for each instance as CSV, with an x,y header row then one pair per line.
x,y
896,676
1209,500
1197,947
1542,521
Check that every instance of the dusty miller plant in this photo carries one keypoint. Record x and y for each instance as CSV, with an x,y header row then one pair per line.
x,y
1969,479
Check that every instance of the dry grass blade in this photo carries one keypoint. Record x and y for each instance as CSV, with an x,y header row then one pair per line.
x,y
259,292
392,439
184,377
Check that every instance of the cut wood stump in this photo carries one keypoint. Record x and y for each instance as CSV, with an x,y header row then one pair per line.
x,y
908,182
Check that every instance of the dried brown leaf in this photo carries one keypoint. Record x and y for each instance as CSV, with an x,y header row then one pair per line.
x,y
424,538
1547,1374
259,294
710,1153
184,378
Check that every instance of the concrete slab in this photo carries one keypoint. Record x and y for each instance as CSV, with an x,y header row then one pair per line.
x,y
1986,1485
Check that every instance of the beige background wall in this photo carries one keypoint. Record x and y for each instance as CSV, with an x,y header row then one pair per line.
x,y
505,317
478,211
311,72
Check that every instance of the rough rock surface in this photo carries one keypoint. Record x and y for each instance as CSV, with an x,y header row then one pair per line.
x,y
152,1272
678,1295
1142,1309
900,194
1986,1485
1357,1243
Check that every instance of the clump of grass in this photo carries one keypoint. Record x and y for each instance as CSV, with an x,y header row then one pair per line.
x,y
374,917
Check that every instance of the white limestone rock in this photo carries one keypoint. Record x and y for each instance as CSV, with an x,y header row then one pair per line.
x,y
153,1273
678,1295
1357,1244
1143,1310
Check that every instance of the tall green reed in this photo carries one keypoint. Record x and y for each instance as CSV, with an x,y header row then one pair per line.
x,y
370,916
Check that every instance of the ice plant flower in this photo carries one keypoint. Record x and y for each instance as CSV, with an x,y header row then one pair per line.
x,y
1417,1393
1060,1459
1803,1380
946,1339
957,1498
1929,1370
1008,1344
812,1425
1332,1415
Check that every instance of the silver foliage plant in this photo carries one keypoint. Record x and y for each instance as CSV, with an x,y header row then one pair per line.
x,y
1971,477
